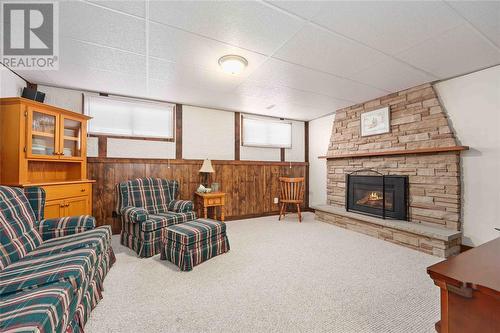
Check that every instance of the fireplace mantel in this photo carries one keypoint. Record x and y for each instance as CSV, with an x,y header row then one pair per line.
x,y
397,152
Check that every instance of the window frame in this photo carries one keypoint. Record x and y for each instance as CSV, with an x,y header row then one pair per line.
x,y
269,119
130,137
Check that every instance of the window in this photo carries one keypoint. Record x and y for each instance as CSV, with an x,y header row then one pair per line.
x,y
115,116
271,133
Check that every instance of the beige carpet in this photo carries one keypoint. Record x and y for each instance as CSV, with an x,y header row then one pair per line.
x,y
278,277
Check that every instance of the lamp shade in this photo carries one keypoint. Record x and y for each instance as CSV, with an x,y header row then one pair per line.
x,y
207,166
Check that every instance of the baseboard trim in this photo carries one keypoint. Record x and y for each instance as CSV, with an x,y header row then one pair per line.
x,y
251,216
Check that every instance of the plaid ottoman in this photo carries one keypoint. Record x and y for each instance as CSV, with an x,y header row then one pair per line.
x,y
190,243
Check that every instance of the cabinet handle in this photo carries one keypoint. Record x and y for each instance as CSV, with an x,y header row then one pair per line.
x,y
82,190
67,205
62,205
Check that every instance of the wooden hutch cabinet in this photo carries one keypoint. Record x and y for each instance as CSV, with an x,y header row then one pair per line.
x,y
42,145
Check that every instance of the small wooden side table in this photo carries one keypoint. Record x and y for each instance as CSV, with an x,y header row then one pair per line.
x,y
213,199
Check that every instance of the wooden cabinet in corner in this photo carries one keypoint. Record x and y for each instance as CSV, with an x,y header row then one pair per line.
x,y
43,145
67,199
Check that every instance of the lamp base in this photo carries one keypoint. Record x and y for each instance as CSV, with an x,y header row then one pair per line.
x,y
204,177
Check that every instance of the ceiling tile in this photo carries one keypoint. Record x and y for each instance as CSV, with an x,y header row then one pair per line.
x,y
389,26
83,21
197,96
317,48
304,9
195,51
484,15
297,112
132,7
247,24
279,73
392,75
192,76
33,76
100,57
84,78
283,95
458,51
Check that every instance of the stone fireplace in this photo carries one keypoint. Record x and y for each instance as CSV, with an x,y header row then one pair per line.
x,y
418,158
377,195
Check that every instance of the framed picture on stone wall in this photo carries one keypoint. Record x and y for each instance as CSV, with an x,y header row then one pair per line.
x,y
376,122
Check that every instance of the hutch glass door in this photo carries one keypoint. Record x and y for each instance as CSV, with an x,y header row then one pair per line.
x,y
71,138
43,137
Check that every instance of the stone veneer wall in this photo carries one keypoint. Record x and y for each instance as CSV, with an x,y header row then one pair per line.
x,y
417,121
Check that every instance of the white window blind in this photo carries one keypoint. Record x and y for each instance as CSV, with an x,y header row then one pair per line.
x,y
129,117
272,133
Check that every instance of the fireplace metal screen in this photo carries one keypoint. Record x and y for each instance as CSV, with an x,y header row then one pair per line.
x,y
377,195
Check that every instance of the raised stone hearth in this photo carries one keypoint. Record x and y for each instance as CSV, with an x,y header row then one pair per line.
x,y
440,242
420,145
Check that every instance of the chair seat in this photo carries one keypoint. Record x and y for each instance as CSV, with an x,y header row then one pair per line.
x,y
45,309
195,231
162,220
291,201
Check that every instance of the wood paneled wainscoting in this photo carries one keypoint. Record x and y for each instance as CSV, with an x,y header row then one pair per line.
x,y
251,186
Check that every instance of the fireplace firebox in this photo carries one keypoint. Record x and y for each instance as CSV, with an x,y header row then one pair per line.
x,y
377,194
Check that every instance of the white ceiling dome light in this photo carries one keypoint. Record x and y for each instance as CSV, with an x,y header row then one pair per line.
x,y
233,64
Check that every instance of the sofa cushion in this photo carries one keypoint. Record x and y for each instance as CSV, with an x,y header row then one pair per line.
x,y
18,236
98,239
152,194
196,231
74,266
162,220
63,226
46,309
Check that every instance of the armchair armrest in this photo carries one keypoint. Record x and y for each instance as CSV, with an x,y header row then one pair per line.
x,y
62,226
180,206
134,214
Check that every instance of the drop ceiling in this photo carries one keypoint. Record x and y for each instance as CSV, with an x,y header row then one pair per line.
x,y
307,58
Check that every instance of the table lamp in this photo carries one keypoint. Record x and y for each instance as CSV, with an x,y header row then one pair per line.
x,y
205,170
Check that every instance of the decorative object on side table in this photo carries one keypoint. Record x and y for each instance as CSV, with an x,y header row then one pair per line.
x,y
214,199
376,122
205,170
203,189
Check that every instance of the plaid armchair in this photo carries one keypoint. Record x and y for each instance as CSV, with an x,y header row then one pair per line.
x,y
51,272
147,206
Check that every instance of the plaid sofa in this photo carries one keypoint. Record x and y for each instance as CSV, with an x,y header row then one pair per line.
x,y
51,270
147,206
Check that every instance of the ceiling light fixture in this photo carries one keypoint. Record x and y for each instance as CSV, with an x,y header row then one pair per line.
x,y
233,64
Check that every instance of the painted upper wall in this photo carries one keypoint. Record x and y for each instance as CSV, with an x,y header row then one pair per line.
x,y
64,98
11,85
472,103
320,131
207,133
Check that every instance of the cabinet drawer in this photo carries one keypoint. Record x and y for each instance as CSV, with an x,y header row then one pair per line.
x,y
55,192
214,201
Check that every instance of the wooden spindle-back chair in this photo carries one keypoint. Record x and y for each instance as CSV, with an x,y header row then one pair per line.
x,y
291,192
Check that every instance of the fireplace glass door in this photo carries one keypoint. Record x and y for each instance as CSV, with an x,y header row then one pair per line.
x,y
384,196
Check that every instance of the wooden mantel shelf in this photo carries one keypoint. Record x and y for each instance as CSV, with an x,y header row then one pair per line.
x,y
398,152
